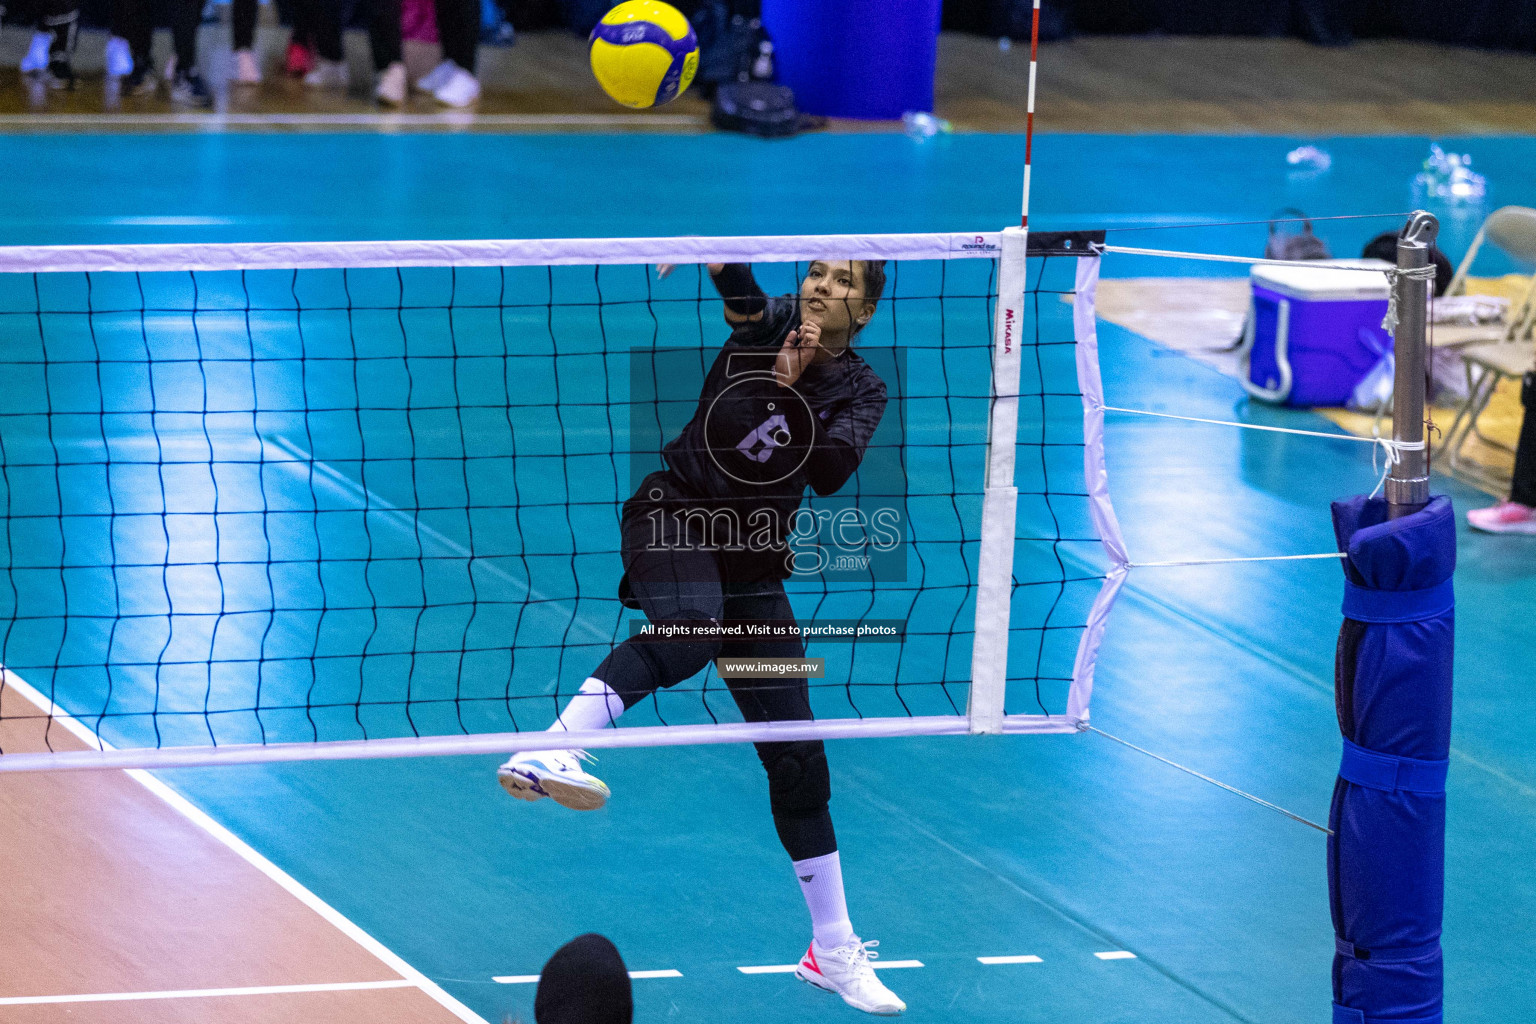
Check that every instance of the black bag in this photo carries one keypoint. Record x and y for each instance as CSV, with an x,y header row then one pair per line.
x,y
1293,244
733,47
757,108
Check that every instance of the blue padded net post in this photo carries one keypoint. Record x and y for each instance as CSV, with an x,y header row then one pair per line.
x,y
1386,857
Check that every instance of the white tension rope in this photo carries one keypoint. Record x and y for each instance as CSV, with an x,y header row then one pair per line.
x,y
1424,273
1208,257
1392,447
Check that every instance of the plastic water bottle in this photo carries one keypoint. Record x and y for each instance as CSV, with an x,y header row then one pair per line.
x,y
1449,177
762,64
1309,159
1464,185
921,125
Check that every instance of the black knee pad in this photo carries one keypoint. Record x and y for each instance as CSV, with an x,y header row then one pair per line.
x,y
799,783
684,659
637,668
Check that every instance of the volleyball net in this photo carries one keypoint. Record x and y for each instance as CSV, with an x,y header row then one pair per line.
x,y
270,502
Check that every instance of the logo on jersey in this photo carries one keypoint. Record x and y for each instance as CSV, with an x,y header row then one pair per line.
x,y
772,433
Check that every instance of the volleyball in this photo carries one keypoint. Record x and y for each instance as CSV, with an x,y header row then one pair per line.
x,y
644,53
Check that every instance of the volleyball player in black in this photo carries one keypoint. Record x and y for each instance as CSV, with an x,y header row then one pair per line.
x,y
132,20
788,404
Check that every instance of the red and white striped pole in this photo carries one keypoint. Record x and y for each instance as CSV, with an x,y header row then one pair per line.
x,y
985,711
1029,123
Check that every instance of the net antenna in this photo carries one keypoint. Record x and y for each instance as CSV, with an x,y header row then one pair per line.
x,y
1029,108
1000,504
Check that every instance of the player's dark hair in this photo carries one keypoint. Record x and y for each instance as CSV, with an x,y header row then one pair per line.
x,y
874,284
874,279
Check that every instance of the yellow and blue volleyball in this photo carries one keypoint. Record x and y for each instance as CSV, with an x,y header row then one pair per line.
x,y
644,53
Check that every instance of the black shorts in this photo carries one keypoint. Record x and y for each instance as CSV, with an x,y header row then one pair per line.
x,y
670,579
664,544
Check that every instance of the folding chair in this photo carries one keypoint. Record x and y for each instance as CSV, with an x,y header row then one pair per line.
x,y
1511,353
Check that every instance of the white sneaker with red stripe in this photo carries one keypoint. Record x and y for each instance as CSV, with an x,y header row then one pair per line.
x,y
1505,517
847,971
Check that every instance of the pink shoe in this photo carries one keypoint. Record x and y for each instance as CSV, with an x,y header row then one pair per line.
x,y
299,61
1505,517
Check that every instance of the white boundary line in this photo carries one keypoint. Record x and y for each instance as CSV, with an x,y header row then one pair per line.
x,y
1028,958
198,817
531,252
1116,954
790,968
670,972
208,993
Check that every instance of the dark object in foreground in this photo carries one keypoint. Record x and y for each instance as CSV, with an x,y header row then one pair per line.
x,y
585,982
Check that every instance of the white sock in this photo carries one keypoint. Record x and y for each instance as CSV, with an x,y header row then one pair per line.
x,y
595,706
821,882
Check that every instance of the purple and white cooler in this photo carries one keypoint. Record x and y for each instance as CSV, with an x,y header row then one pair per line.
x,y
1314,332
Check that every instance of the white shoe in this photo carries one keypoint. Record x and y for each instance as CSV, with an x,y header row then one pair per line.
x,y
459,89
556,774
119,58
847,971
36,59
392,86
247,70
436,77
329,74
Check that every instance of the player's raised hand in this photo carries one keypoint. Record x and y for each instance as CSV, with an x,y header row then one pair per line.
x,y
801,346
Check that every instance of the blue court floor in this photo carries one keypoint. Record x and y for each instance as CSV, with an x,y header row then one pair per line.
x,y
1055,847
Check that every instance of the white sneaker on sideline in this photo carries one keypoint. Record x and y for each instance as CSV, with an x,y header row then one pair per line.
x,y
847,971
436,77
247,69
392,86
118,57
556,774
37,53
329,74
459,89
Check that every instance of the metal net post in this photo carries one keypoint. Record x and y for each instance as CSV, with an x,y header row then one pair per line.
x,y
1407,488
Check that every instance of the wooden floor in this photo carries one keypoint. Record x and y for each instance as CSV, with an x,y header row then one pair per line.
x,y
121,907
1090,84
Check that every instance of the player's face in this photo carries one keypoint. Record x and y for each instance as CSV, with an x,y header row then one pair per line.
x,y
832,294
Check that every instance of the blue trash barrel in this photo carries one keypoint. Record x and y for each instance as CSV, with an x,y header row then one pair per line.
x,y
869,59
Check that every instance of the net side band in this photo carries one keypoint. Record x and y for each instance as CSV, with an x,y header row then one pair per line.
x,y
503,743
231,256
